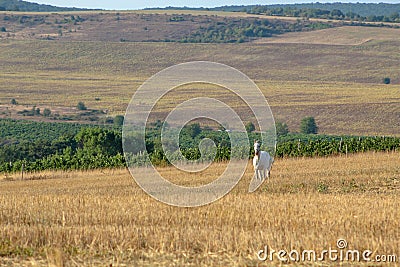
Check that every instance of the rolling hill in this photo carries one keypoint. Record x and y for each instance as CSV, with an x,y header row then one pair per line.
x,y
17,5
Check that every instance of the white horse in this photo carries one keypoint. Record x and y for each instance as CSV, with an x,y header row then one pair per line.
x,y
262,162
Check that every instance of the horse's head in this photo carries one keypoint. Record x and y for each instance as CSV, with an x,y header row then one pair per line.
x,y
257,147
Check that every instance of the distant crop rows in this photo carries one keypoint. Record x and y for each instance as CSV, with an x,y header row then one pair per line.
x,y
23,130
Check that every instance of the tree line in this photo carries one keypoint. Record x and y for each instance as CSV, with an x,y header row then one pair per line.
x,y
335,14
364,9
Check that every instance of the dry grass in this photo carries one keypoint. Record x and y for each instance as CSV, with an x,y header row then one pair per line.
x,y
103,217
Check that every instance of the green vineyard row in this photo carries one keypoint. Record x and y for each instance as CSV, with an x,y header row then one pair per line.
x,y
85,159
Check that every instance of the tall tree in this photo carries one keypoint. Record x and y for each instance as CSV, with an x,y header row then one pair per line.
x,y
308,126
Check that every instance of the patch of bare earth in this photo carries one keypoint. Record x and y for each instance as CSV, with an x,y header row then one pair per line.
x,y
346,35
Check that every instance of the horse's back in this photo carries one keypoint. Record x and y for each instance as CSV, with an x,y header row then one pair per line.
x,y
264,160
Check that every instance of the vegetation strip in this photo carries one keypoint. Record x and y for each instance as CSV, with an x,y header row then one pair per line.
x,y
34,146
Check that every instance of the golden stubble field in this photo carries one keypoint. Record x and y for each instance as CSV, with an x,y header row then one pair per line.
x,y
102,217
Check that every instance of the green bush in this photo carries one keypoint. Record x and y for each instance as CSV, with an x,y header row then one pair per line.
x,y
119,120
281,128
46,112
81,106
